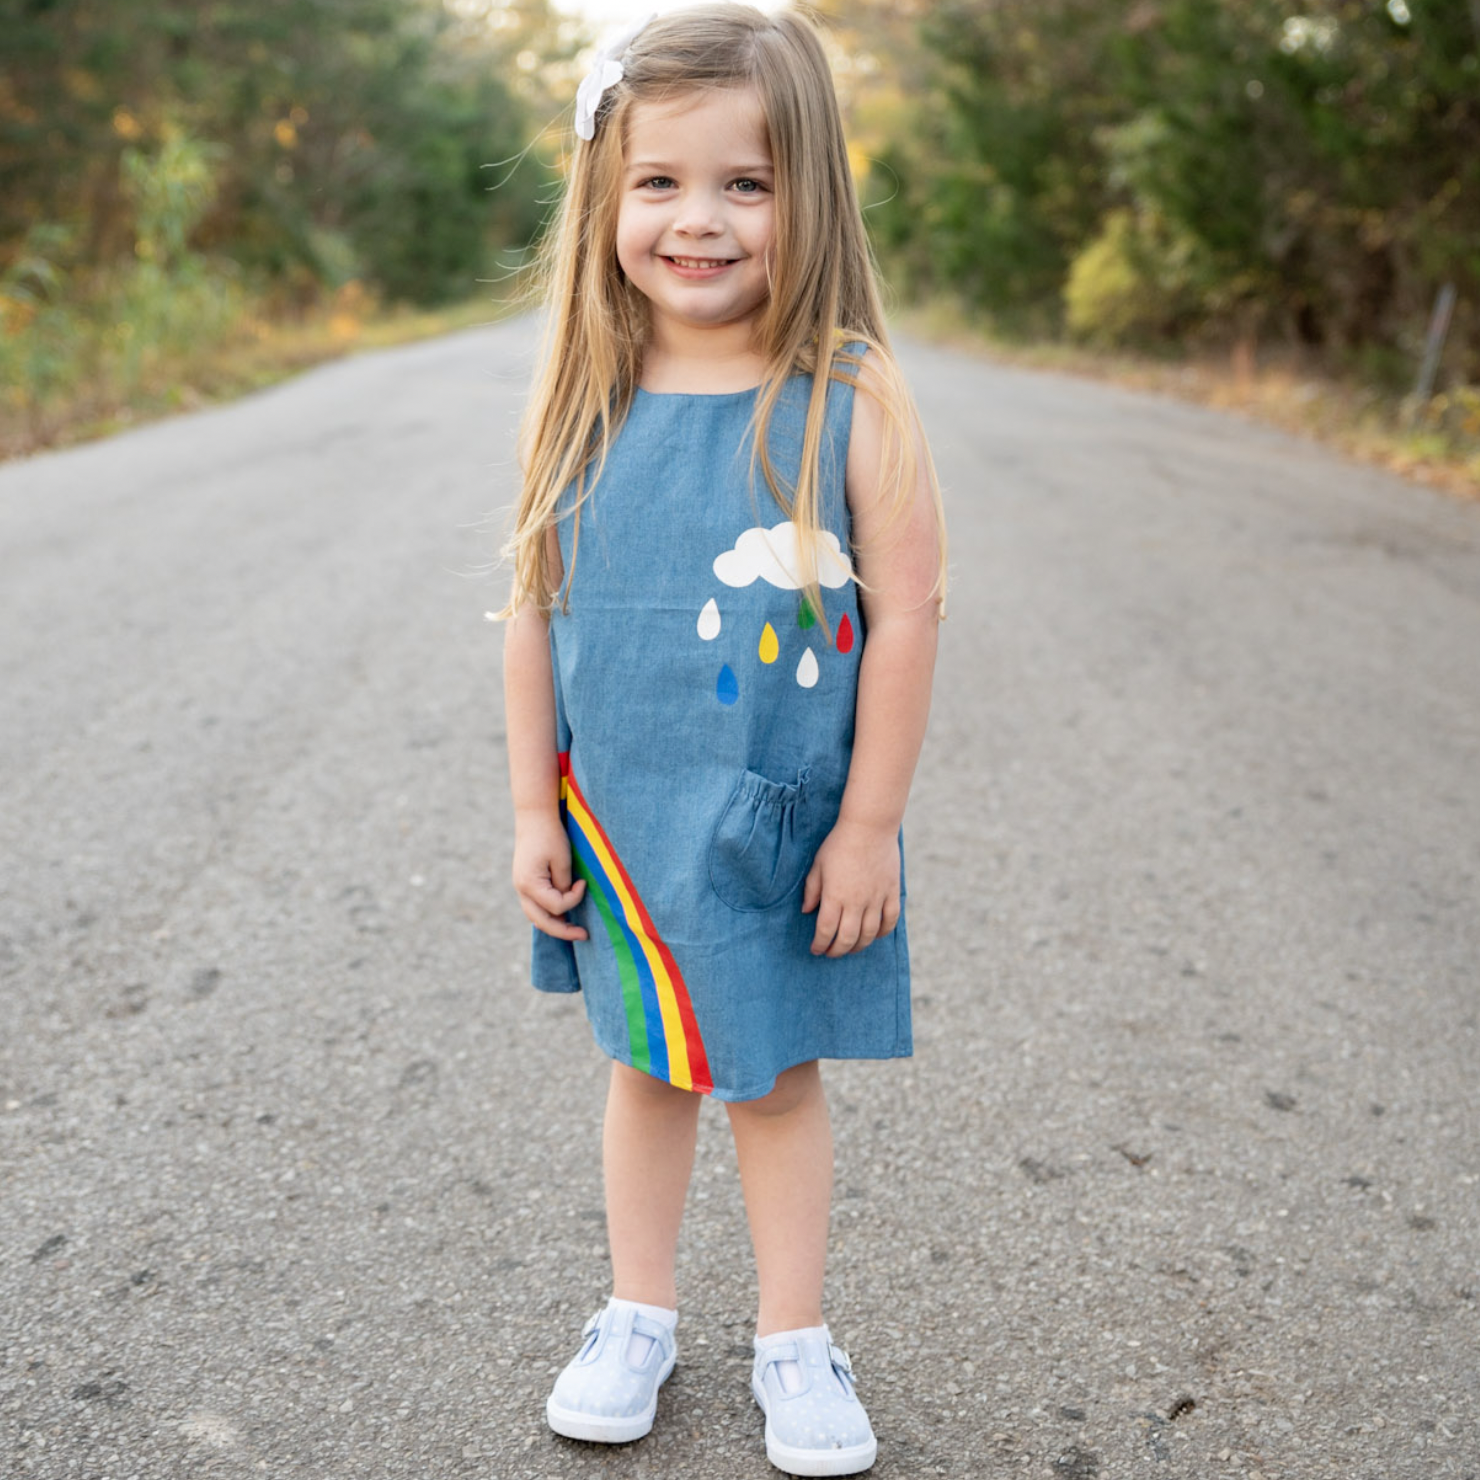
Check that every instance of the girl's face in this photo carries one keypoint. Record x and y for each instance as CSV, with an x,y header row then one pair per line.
x,y
697,214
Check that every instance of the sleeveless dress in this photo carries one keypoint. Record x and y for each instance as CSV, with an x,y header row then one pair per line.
x,y
705,726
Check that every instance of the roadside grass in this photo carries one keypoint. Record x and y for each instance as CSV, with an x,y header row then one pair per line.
x,y
1437,444
253,347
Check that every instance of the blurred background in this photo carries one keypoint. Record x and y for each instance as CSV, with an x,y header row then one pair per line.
x,y
197,196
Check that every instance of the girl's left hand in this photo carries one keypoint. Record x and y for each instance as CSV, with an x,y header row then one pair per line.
x,y
854,887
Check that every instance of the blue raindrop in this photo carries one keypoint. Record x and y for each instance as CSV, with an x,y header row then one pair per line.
x,y
727,690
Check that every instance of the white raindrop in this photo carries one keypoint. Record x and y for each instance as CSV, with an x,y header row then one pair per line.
x,y
709,620
807,670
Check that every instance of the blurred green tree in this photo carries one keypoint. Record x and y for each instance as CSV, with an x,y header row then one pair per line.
x,y
1158,169
345,137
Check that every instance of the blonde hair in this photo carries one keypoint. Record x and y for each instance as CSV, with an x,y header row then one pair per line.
x,y
823,288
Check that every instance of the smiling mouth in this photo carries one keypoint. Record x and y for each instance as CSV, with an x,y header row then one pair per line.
x,y
697,262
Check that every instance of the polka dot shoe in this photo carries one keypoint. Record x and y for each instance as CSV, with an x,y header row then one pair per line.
x,y
815,1424
604,1395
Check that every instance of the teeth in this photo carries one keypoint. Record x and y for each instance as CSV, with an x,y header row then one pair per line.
x,y
701,261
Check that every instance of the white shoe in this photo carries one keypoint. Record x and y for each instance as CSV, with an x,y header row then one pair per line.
x,y
601,1396
815,1424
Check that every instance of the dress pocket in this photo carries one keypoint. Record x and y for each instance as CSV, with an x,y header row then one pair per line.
x,y
761,848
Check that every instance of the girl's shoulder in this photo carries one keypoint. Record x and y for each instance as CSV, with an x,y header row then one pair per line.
x,y
877,389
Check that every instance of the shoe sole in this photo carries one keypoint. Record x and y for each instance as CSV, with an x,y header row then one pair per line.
x,y
793,1461
594,1429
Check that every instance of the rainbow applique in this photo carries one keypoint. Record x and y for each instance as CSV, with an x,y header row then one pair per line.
x,y
661,1028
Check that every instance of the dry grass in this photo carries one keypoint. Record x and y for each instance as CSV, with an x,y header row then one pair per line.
x,y
1439,447
258,352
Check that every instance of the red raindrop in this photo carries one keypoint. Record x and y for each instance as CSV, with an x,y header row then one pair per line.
x,y
845,635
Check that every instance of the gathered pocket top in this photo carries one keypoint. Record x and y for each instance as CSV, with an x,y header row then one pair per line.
x,y
761,848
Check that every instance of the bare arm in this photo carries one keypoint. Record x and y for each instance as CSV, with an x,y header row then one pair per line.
x,y
854,884
542,863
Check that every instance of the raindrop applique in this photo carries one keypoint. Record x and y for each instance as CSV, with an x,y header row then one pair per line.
x,y
806,617
770,648
845,635
727,690
807,670
709,623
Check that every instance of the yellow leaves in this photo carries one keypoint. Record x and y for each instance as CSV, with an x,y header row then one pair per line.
x,y
126,125
351,303
81,84
15,314
285,130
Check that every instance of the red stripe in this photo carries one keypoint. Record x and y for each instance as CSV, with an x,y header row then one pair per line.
x,y
698,1060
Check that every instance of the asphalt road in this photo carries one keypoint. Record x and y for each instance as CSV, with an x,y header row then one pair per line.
x,y
301,1179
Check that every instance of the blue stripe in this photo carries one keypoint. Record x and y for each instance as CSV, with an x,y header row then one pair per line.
x,y
652,1015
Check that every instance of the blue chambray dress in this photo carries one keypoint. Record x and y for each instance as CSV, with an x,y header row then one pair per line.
x,y
705,724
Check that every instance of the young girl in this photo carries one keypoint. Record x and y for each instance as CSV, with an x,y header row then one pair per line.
x,y
729,559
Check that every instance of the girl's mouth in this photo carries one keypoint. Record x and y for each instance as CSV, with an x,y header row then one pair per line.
x,y
699,264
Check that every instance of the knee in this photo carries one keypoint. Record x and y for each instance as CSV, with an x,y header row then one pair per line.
x,y
794,1088
645,1089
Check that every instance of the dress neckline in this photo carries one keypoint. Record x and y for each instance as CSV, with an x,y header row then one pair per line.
x,y
749,390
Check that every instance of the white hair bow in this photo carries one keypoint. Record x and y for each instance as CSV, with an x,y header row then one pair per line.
x,y
606,69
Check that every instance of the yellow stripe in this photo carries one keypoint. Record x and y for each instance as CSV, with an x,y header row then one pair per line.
x,y
678,1048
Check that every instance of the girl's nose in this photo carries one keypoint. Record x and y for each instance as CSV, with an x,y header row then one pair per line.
x,y
698,217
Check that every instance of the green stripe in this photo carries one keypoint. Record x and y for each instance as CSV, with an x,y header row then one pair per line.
x,y
626,967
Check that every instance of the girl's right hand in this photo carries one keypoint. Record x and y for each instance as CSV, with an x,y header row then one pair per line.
x,y
542,876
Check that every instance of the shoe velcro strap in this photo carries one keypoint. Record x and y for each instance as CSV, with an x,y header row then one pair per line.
x,y
840,1358
660,1333
786,1351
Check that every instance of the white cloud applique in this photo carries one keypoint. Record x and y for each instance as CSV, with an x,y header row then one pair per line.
x,y
771,555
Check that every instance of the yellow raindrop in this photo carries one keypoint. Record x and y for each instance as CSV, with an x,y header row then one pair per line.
x,y
770,649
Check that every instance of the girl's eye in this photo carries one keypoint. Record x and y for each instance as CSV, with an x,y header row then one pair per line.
x,y
657,182
749,187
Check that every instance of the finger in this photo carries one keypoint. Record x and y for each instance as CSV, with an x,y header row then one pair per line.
x,y
828,916
560,870
812,890
891,917
868,930
550,924
847,937
555,901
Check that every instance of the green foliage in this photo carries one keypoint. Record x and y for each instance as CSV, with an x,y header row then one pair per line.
x,y
1136,282
62,325
330,139
170,295
38,348
170,191
1137,169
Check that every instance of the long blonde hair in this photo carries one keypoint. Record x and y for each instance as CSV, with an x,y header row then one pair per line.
x,y
823,288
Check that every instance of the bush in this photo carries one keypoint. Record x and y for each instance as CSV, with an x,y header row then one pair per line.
x,y
1136,281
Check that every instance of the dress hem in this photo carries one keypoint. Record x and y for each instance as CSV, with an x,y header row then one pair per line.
x,y
735,1096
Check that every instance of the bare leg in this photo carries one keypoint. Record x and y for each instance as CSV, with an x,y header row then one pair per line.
x,y
648,1155
784,1144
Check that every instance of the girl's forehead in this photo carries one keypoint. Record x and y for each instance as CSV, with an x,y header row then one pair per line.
x,y
716,115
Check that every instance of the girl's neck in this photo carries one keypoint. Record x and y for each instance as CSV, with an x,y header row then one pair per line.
x,y
711,362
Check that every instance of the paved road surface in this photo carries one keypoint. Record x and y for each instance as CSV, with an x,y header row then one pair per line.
x,y
300,1178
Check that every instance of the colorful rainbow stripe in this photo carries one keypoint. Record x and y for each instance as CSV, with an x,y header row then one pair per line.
x,y
661,1028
